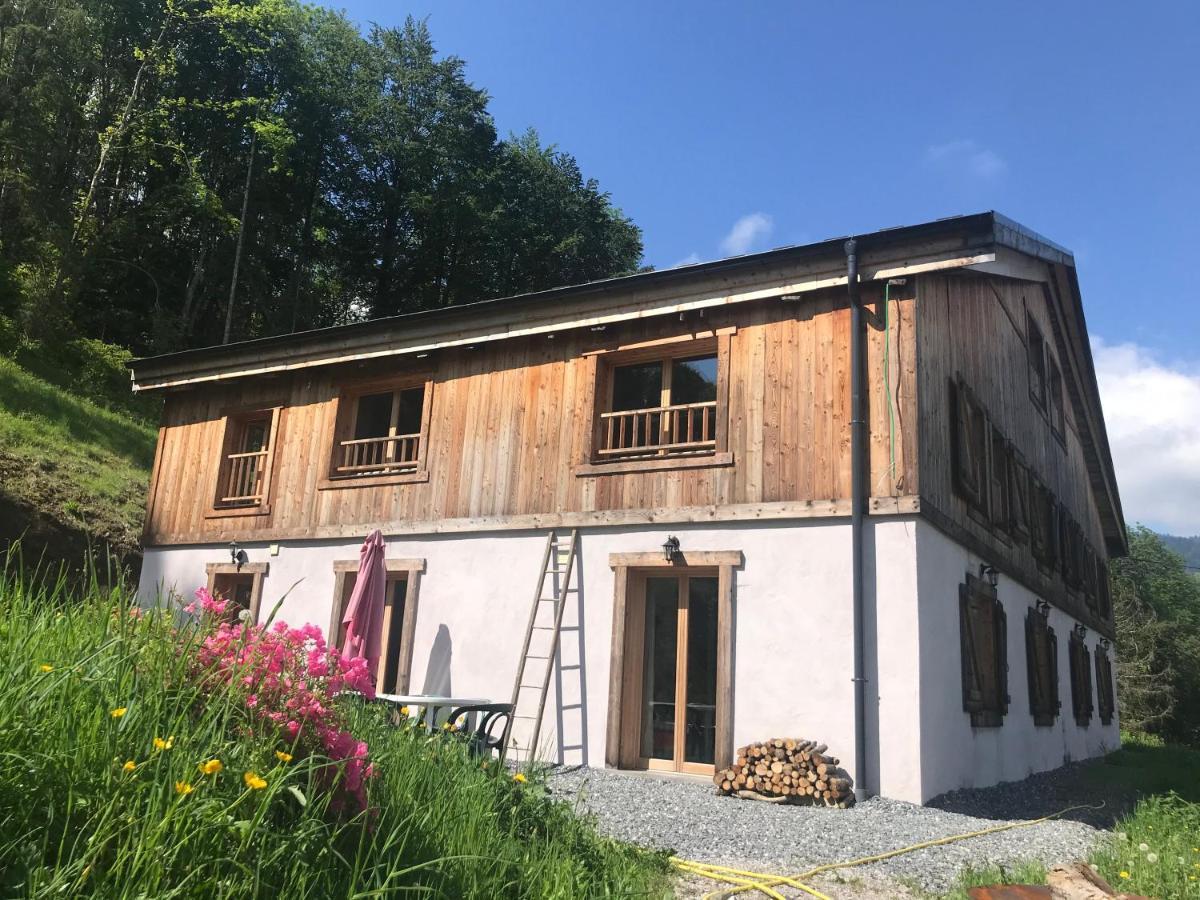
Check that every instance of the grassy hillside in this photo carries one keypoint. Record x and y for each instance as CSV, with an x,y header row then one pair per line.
x,y
71,471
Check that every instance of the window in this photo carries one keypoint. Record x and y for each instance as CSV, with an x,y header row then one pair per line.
x,y
399,618
660,407
244,474
241,585
1036,347
999,483
1041,658
1103,590
983,632
381,431
1104,686
1057,413
1018,494
970,446
1081,679
1043,525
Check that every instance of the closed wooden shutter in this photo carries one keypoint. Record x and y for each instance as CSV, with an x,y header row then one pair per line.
x,y
1104,687
1103,590
1041,658
969,446
1081,680
1018,477
983,634
999,503
1043,525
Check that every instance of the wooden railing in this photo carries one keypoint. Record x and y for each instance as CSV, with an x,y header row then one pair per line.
x,y
368,456
244,481
659,430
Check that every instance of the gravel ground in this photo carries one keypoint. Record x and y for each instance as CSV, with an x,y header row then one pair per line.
x,y
690,818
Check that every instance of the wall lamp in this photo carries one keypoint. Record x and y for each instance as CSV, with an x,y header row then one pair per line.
x,y
1080,631
1105,644
237,555
1043,609
990,573
670,548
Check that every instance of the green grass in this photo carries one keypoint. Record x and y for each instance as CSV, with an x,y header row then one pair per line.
x,y
76,462
1019,873
74,822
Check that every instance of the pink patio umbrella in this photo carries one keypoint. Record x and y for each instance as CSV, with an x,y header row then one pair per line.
x,y
364,613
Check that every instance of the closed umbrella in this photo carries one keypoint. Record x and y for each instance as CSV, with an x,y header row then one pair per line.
x,y
364,613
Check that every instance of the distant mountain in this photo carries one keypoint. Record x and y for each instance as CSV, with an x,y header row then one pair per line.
x,y
1187,547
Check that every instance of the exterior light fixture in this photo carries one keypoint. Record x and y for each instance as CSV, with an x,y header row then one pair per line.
x,y
990,573
1104,644
1080,631
670,548
1043,609
237,556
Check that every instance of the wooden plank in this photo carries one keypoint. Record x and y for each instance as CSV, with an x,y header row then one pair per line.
x,y
616,670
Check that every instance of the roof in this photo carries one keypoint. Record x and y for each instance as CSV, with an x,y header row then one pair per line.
x,y
987,240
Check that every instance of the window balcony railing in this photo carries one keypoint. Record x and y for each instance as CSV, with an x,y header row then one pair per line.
x,y
378,455
687,428
244,479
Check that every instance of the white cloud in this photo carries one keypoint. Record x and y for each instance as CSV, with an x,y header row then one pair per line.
x,y
746,233
967,155
690,260
1150,411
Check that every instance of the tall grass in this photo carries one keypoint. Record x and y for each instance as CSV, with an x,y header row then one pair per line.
x,y
77,819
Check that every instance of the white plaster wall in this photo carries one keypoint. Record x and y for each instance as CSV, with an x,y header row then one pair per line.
x,y
953,754
793,644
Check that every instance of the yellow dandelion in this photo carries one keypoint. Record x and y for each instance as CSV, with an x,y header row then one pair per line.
x,y
519,778
45,668
450,726
129,766
119,711
283,757
404,710
160,744
212,767
254,782
183,788
1123,874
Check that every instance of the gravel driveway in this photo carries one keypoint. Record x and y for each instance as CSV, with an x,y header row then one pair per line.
x,y
690,818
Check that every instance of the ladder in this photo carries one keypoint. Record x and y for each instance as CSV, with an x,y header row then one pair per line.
x,y
558,563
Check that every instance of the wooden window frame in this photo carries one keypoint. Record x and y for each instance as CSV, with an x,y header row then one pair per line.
x,y
409,569
999,482
1034,331
985,702
343,418
664,351
1043,525
1103,590
1056,408
1019,494
258,570
622,749
1041,655
1081,679
233,420
969,442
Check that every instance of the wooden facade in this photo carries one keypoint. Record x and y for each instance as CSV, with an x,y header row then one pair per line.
x,y
511,433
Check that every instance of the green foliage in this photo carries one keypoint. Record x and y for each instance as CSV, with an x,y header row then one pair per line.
x,y
377,183
64,455
1156,851
75,821
1028,872
1156,603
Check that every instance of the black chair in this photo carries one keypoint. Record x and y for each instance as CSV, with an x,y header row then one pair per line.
x,y
487,734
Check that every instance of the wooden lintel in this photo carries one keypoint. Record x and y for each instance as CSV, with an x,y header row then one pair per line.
x,y
684,559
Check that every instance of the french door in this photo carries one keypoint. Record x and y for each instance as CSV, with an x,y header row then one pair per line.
x,y
677,670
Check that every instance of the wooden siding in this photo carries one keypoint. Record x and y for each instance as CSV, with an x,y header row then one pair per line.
x,y
973,326
510,428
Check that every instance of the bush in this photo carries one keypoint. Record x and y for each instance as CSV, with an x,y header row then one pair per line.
x,y
126,771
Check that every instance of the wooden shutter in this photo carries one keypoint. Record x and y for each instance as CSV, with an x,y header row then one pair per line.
x,y
1041,659
1081,680
1043,525
1018,496
1104,687
983,635
1103,590
998,479
968,445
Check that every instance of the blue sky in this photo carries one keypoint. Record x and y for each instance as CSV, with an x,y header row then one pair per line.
x,y
726,128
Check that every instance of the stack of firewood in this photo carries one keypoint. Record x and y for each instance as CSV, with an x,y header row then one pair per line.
x,y
787,770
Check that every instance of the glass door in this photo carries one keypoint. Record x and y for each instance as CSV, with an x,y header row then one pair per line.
x,y
679,673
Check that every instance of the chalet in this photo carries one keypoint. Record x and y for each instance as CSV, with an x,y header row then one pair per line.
x,y
858,490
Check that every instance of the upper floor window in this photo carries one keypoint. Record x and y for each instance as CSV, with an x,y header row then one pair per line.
x,y
1037,362
244,474
381,430
1057,411
660,407
1045,379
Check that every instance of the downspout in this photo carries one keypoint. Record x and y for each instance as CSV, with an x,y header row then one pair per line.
x,y
858,481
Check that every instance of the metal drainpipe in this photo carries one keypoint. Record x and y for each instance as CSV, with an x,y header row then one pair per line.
x,y
858,459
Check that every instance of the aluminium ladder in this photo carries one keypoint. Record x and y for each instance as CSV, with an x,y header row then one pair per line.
x,y
559,563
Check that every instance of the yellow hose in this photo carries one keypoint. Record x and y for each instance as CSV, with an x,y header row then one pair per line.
x,y
766,882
